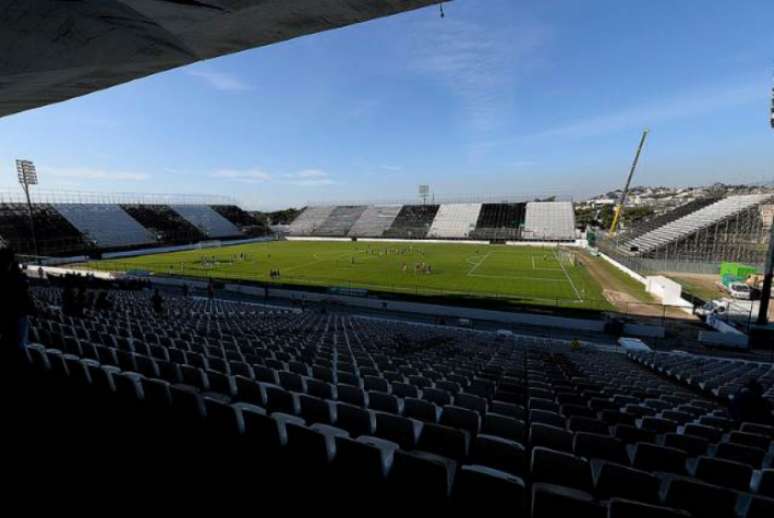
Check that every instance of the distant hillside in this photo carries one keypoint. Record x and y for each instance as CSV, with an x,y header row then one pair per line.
x,y
644,203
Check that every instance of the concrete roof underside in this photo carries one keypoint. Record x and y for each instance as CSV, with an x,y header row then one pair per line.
x,y
54,50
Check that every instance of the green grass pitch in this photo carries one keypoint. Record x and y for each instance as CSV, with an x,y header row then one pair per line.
x,y
529,275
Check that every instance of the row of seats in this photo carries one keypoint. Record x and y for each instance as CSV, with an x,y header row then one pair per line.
x,y
373,407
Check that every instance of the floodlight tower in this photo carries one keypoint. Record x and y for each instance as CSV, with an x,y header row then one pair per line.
x,y
768,274
28,176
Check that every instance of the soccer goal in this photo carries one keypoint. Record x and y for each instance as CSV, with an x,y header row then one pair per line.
x,y
566,257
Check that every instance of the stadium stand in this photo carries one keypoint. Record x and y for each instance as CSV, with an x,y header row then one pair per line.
x,y
693,222
207,220
165,223
316,402
104,225
719,377
455,220
374,221
549,221
500,221
340,221
412,222
309,220
235,215
55,235
670,216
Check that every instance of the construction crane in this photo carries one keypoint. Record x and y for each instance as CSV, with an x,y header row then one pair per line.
x,y
620,207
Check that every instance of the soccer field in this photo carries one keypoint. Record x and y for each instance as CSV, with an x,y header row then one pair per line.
x,y
531,275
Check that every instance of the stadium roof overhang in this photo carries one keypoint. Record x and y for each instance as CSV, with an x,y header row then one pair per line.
x,y
53,50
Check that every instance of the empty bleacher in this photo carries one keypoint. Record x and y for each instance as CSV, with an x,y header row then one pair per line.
x,y
693,222
374,221
55,235
455,220
340,221
313,405
668,217
210,223
104,225
549,221
412,222
310,220
165,223
500,221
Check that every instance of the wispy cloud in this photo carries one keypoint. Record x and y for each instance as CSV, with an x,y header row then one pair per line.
x,y
310,178
480,64
243,175
221,81
684,105
83,173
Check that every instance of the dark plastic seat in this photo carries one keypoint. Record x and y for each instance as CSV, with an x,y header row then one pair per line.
x,y
650,457
352,395
766,483
725,473
504,426
499,453
741,453
475,484
422,475
445,441
550,437
459,417
316,410
560,468
421,409
384,402
401,430
357,421
700,499
552,501
586,424
615,480
691,444
594,446
621,508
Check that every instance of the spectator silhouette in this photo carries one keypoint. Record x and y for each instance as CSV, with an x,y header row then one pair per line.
x,y
103,302
749,405
16,305
158,302
80,302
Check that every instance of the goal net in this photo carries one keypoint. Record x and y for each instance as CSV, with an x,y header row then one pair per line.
x,y
566,257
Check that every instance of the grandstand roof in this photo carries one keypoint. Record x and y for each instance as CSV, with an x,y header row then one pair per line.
x,y
53,51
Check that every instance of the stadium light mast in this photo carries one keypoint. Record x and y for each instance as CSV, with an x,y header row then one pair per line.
x,y
768,273
28,176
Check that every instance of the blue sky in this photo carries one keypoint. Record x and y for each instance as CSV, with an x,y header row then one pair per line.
x,y
499,97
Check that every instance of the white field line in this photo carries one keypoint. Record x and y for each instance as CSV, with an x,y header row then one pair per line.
x,y
475,266
580,299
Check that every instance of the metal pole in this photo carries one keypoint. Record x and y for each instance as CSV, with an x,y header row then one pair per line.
x,y
32,219
763,310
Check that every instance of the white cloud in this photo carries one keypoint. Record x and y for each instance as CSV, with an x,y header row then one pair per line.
x,y
310,178
83,173
244,175
221,81
481,65
311,173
